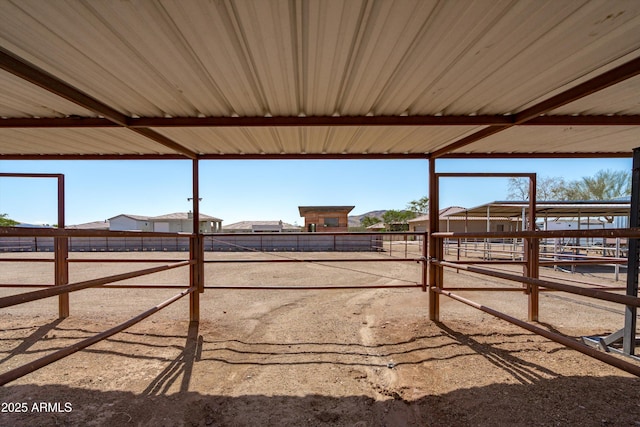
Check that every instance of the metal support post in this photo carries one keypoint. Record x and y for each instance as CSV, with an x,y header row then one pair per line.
x,y
62,254
630,313
533,253
195,250
434,279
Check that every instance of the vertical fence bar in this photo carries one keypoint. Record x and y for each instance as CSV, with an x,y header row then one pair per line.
x,y
533,262
62,254
433,243
195,247
633,262
425,262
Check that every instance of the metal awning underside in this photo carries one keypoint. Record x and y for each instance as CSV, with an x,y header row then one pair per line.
x,y
555,209
291,79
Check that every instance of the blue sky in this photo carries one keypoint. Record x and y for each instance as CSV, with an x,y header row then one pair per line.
x,y
259,189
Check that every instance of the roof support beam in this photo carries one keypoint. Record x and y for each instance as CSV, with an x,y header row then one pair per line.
x,y
292,121
29,72
598,83
603,81
312,121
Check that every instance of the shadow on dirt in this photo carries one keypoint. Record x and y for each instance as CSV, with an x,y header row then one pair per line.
x,y
585,401
536,395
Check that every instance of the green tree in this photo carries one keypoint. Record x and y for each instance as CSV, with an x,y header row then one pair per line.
x,y
420,206
368,221
604,185
393,217
7,222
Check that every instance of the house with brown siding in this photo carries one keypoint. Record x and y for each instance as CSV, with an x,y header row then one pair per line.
x,y
325,219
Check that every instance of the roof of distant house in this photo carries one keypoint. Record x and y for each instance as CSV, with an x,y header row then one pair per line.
x,y
249,225
136,217
177,216
306,209
95,225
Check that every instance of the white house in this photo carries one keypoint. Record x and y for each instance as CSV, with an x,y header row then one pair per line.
x,y
178,222
182,222
126,222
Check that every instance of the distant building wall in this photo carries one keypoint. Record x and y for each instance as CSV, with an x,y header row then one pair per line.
x,y
326,219
125,223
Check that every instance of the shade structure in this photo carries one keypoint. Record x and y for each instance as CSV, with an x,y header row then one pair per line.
x,y
276,78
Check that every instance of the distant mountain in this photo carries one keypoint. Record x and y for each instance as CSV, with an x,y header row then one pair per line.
x,y
356,220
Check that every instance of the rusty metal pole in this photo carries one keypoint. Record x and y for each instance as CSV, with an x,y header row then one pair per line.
x,y
533,261
195,248
62,254
433,243
425,263
633,260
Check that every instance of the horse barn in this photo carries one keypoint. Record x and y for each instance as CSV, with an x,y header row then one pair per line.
x,y
412,334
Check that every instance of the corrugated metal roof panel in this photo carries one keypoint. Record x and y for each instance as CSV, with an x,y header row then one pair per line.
x,y
623,98
256,58
316,140
77,141
21,99
558,139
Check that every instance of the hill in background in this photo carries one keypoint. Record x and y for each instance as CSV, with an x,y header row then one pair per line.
x,y
356,220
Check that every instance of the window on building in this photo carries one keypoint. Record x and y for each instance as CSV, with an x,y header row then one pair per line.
x,y
331,222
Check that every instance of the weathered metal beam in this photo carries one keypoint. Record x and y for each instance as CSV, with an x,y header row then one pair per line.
x,y
29,72
35,75
289,121
603,81
314,121
591,86
57,122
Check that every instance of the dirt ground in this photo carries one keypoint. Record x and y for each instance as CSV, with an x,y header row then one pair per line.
x,y
307,358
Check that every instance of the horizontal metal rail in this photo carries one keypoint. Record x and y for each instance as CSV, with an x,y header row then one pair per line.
x,y
321,233
240,261
562,339
583,262
303,288
124,260
109,286
46,360
71,232
633,233
493,262
71,287
90,260
593,293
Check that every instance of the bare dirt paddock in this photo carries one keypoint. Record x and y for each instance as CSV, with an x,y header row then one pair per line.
x,y
312,358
